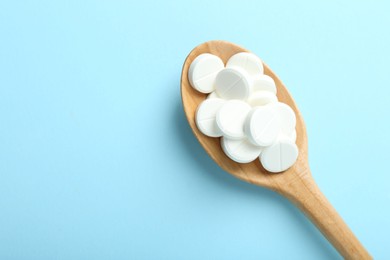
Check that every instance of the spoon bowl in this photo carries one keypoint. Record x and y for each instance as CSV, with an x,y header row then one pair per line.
x,y
296,183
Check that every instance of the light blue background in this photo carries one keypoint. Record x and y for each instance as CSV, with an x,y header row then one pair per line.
x,y
97,160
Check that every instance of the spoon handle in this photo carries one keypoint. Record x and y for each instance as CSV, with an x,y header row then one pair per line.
x,y
305,193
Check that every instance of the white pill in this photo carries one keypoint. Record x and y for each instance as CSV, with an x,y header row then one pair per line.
x,y
279,156
212,95
203,71
264,82
231,118
286,117
248,61
293,136
206,117
241,151
262,126
233,83
261,98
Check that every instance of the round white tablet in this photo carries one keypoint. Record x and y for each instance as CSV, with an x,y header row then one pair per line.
x,y
293,136
205,117
261,98
248,61
203,71
241,151
231,117
262,126
233,83
286,117
280,156
212,95
264,82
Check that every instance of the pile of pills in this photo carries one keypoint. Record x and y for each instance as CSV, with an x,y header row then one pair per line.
x,y
242,108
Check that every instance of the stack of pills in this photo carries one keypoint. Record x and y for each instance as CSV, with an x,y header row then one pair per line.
x,y
242,108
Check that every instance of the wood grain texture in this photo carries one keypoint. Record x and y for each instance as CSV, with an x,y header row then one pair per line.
x,y
296,183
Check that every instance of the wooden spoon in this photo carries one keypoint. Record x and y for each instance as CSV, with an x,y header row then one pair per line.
x,y
296,183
